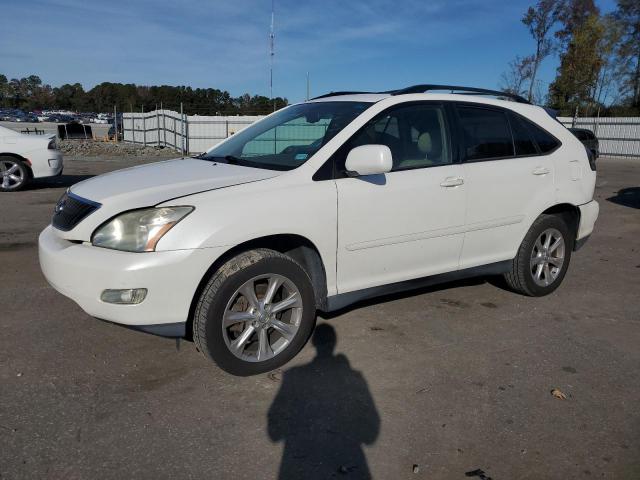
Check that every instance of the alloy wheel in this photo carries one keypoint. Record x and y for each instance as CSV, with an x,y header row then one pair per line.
x,y
547,257
11,175
262,317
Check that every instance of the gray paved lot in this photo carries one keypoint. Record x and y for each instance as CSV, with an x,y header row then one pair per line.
x,y
452,379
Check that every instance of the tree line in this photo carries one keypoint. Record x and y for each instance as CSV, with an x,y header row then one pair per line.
x,y
599,68
30,93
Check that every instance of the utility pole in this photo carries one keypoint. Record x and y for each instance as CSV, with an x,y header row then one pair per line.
x,y
308,86
271,54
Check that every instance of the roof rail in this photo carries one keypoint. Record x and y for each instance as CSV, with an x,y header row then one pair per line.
x,y
453,88
336,94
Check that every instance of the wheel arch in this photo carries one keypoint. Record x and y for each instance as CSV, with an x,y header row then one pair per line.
x,y
296,246
570,214
24,160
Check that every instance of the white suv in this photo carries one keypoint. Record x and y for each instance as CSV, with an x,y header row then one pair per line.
x,y
319,205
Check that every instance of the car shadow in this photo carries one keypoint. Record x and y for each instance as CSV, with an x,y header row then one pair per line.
x,y
466,282
627,197
62,181
324,413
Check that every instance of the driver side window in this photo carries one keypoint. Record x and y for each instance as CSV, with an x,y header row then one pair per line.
x,y
417,136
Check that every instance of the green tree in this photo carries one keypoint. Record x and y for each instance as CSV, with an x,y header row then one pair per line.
x,y
572,14
628,51
4,91
579,68
70,97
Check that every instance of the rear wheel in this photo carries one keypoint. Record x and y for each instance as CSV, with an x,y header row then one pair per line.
x,y
543,257
255,313
14,175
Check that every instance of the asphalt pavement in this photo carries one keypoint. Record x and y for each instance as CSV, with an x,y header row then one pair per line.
x,y
449,382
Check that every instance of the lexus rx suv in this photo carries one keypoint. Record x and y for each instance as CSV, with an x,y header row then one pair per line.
x,y
319,205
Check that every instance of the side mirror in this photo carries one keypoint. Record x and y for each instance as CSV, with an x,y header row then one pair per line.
x,y
369,160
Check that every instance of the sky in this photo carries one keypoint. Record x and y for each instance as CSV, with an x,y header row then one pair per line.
x,y
370,45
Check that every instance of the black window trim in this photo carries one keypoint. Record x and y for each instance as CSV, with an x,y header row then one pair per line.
x,y
506,112
322,173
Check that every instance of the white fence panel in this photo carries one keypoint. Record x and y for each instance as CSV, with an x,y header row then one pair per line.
x,y
618,136
207,131
187,133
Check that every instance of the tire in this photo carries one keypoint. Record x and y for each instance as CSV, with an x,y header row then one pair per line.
x,y
226,298
537,270
14,174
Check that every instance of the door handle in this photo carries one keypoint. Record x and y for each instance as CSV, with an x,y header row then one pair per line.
x,y
452,182
540,171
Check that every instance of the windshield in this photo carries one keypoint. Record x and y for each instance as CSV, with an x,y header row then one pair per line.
x,y
288,138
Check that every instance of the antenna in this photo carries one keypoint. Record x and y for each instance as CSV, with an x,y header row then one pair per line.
x,y
271,54
307,86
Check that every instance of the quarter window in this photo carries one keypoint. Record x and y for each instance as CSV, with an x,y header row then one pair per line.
x,y
522,140
546,142
485,133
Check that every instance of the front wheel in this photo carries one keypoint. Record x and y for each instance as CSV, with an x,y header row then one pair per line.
x,y
543,257
255,313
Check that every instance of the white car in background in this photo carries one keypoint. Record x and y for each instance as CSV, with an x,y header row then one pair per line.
x,y
320,205
25,157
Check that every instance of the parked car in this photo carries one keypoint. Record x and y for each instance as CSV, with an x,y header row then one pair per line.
x,y
588,139
240,247
25,157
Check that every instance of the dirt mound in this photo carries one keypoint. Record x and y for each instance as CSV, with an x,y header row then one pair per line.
x,y
90,148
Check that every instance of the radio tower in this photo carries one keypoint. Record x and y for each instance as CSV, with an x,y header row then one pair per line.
x,y
271,54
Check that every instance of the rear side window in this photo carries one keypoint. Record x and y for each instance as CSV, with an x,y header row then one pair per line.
x,y
486,133
522,139
546,142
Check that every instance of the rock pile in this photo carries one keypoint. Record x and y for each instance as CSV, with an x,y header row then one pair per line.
x,y
87,148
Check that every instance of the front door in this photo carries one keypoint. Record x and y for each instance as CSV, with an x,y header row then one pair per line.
x,y
408,223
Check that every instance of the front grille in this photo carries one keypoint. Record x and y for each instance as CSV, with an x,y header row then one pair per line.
x,y
71,210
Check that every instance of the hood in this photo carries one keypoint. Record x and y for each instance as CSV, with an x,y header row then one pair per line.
x,y
148,185
151,184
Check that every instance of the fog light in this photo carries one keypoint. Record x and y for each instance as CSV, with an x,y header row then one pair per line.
x,y
54,163
131,296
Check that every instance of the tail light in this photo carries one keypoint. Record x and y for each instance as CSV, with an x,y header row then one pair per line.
x,y
592,159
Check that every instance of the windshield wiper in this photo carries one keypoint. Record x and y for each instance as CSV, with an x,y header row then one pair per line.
x,y
230,159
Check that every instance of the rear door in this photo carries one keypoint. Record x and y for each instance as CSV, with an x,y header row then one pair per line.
x,y
508,179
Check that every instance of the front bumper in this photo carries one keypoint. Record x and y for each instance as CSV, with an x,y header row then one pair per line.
x,y
81,272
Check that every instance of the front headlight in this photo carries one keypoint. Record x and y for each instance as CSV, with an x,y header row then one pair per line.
x,y
138,230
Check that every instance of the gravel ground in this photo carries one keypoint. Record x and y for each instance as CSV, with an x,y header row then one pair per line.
x,y
433,384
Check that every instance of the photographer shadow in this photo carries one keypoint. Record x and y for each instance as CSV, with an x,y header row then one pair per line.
x,y
324,413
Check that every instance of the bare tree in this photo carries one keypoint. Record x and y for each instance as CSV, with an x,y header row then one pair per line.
x,y
539,20
513,80
607,47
